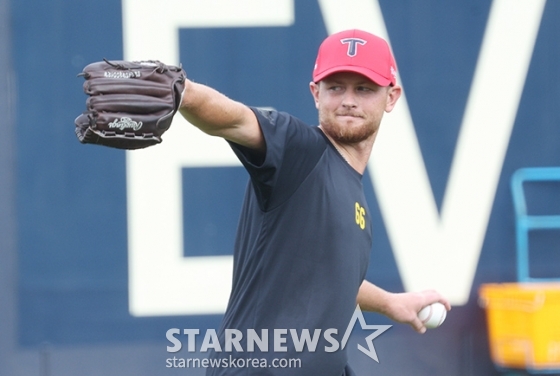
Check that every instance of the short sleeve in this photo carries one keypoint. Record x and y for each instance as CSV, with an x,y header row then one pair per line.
x,y
293,148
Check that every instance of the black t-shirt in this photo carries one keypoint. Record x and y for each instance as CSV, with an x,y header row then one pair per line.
x,y
301,252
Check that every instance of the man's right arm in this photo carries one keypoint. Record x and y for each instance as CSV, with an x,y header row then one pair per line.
x,y
400,307
218,115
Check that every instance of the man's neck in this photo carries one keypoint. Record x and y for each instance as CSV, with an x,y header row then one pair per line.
x,y
356,154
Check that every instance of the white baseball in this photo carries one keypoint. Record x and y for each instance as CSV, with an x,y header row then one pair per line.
x,y
433,315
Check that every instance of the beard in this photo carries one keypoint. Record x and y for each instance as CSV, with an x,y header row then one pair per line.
x,y
351,132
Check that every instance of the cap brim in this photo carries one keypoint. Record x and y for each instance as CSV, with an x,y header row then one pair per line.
x,y
375,77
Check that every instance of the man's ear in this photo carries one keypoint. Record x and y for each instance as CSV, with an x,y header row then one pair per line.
x,y
392,97
314,87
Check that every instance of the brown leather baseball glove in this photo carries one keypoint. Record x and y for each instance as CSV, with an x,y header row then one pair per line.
x,y
131,103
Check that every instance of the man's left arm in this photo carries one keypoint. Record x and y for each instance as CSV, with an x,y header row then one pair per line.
x,y
400,307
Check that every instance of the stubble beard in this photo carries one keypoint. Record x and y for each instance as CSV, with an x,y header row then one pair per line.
x,y
347,134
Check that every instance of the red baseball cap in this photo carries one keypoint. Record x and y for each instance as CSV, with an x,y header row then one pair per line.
x,y
356,51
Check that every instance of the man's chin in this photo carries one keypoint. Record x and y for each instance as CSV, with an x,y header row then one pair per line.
x,y
349,132
351,137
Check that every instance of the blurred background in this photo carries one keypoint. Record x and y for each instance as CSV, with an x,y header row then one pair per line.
x,y
82,292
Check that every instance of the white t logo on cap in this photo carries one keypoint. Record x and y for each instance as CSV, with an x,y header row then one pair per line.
x,y
353,45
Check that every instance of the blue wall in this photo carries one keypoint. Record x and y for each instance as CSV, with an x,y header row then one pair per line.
x,y
63,218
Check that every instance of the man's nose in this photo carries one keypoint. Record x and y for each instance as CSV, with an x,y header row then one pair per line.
x,y
349,99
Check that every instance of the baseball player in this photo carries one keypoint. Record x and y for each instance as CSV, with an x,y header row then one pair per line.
x,y
305,232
